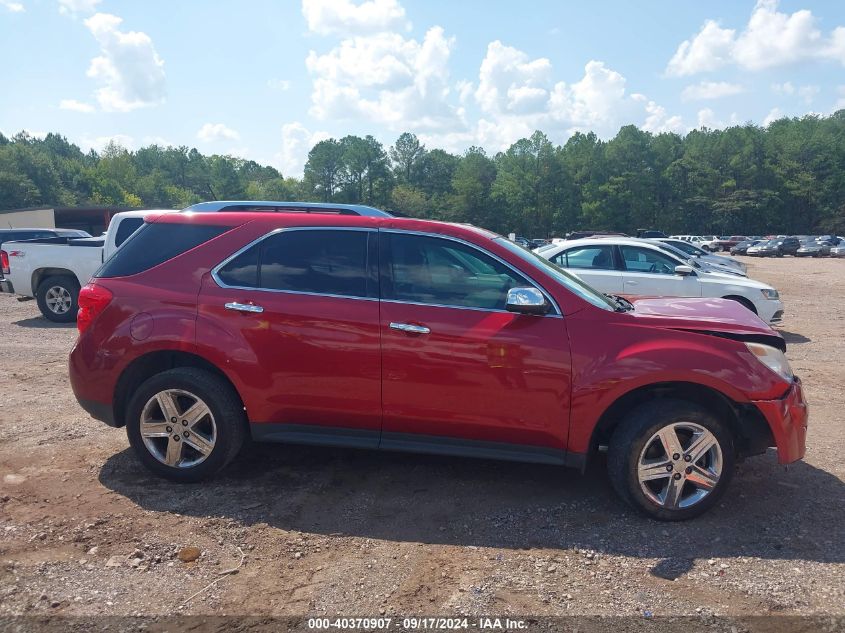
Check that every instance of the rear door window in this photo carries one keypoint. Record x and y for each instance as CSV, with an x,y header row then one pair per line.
x,y
126,228
317,261
595,257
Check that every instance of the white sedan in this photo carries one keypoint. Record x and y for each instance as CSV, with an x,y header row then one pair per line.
x,y
693,250
638,268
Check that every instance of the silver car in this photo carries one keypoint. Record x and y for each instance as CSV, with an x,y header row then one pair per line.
x,y
726,264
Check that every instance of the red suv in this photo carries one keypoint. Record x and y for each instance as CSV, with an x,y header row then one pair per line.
x,y
413,335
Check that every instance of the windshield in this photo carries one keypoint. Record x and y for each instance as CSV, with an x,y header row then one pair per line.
x,y
686,247
668,248
569,281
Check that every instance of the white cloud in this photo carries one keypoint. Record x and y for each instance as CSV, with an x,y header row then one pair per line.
x,y
786,88
710,90
403,84
508,81
385,78
708,119
129,68
344,17
771,38
658,120
14,7
97,143
840,102
78,6
281,85
808,93
297,141
709,50
773,115
76,106
211,132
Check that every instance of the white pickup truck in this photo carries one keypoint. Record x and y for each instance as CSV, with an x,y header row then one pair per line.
x,y
53,270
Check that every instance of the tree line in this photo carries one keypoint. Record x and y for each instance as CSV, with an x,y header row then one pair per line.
x,y
785,178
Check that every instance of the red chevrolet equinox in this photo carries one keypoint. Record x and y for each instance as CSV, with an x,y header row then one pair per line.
x,y
412,335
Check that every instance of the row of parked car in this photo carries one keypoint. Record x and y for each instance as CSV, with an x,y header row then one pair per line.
x,y
344,326
663,267
771,246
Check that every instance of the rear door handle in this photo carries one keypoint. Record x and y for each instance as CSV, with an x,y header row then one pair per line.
x,y
629,281
244,307
410,328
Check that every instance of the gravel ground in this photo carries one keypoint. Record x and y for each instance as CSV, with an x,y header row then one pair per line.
x,y
85,530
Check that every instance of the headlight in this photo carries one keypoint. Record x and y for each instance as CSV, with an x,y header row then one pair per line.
x,y
772,358
770,293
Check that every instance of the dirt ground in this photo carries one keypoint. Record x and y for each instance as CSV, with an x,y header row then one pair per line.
x,y
85,530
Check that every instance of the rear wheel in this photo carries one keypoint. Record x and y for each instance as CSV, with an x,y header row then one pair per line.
x,y
671,459
185,424
57,298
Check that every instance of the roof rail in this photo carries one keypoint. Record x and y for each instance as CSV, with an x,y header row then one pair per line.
x,y
287,207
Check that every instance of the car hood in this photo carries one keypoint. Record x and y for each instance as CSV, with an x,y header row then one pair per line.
x,y
714,316
710,267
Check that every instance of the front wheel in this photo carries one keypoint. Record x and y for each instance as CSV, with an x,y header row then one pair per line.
x,y
185,424
58,297
671,459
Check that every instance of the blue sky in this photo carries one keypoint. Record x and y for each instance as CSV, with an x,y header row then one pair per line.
x,y
265,79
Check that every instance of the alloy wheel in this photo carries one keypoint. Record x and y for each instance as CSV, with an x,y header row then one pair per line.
x,y
680,465
58,300
178,428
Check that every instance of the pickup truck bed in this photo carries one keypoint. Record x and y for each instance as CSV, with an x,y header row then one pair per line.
x,y
52,270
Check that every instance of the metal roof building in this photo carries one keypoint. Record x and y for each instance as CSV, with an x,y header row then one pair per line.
x,y
91,219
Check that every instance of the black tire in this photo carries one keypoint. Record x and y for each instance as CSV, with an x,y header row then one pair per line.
x,y
226,409
66,283
629,440
743,301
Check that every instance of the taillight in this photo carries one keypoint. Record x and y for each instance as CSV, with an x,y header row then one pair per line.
x,y
93,299
4,262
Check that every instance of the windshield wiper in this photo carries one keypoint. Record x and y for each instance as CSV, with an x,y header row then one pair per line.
x,y
622,304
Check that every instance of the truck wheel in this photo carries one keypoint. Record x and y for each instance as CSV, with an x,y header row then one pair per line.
x,y
57,298
185,424
671,459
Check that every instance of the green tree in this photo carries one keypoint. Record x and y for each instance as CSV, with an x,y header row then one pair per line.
x,y
407,154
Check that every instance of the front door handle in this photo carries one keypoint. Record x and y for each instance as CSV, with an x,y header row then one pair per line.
x,y
244,307
410,328
629,281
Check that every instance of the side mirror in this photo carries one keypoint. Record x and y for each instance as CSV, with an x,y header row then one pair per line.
x,y
683,271
527,301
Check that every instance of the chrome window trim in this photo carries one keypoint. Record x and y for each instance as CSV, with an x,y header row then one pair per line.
x,y
215,271
558,313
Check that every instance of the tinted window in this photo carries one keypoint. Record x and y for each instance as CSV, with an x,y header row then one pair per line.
x,y
19,236
598,257
155,244
689,249
243,270
642,260
126,228
322,262
433,270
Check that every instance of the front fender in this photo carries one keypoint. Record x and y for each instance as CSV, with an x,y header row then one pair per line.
x,y
612,359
